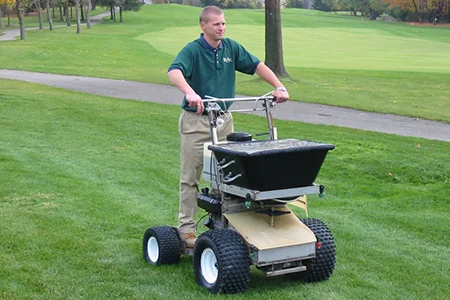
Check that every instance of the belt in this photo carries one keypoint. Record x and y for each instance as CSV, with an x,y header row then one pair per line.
x,y
204,113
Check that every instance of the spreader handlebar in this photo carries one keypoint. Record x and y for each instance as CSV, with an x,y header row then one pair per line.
x,y
214,110
265,99
238,99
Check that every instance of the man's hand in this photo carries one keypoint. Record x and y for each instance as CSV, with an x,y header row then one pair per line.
x,y
268,76
280,95
194,100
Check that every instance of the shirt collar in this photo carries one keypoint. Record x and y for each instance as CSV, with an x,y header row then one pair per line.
x,y
208,46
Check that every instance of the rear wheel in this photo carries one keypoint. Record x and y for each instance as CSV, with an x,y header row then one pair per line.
x,y
322,266
161,245
221,262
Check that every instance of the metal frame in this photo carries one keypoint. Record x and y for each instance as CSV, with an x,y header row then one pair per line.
x,y
235,199
214,111
256,195
267,103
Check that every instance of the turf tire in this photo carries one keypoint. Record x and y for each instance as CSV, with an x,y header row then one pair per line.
x,y
161,245
228,260
322,266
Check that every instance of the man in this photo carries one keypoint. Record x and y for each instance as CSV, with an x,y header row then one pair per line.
x,y
207,67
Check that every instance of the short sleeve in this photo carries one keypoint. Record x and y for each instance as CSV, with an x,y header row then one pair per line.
x,y
245,61
184,62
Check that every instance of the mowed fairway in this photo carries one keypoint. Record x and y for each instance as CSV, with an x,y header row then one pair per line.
x,y
332,59
328,48
82,177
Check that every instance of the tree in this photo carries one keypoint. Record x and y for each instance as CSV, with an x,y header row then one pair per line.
x,y
129,5
77,11
37,4
119,3
435,11
274,45
67,13
373,8
5,5
20,6
123,5
420,7
351,5
87,6
295,3
223,3
49,16
8,8
324,5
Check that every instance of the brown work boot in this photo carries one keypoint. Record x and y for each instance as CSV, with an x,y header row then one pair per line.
x,y
189,238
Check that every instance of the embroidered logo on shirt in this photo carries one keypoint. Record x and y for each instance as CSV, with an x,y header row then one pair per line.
x,y
227,60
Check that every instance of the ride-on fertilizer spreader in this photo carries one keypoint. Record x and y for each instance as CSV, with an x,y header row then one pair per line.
x,y
248,219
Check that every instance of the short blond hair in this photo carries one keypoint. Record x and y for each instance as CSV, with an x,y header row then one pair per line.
x,y
209,10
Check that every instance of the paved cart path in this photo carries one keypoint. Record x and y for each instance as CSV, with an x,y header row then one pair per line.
x,y
291,110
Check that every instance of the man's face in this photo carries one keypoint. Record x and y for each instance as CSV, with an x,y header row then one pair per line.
x,y
214,28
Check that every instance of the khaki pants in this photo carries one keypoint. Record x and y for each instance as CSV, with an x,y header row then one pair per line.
x,y
194,131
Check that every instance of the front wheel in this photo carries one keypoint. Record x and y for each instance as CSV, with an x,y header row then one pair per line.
x,y
161,245
221,262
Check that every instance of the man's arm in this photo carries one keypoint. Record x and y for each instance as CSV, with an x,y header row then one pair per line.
x,y
268,76
178,80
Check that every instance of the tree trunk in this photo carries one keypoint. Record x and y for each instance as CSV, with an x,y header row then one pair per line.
x,y
274,45
120,13
420,17
88,7
39,12
448,14
61,14
49,16
82,11
19,11
372,14
77,14
112,16
1,24
67,13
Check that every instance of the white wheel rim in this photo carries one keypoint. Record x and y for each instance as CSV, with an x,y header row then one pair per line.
x,y
208,264
153,249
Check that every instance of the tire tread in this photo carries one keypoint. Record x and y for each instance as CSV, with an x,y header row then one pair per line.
x,y
168,242
322,266
232,258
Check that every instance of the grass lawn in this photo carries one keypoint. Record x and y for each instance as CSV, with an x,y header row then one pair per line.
x,y
82,177
332,59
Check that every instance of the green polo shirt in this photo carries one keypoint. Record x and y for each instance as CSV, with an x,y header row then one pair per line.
x,y
211,71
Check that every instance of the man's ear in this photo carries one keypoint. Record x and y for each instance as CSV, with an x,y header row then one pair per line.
x,y
202,25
